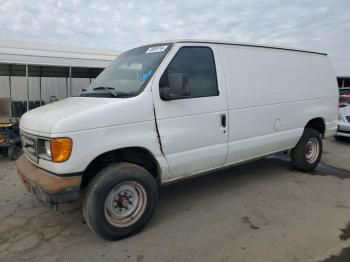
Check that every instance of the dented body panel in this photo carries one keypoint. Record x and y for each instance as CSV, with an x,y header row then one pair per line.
x,y
117,124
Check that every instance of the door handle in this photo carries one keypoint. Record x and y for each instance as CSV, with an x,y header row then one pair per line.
x,y
223,120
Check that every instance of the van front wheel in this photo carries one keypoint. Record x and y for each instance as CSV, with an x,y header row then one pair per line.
x,y
307,153
120,200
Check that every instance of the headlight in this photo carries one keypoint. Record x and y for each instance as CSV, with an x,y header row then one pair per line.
x,y
60,149
55,149
48,148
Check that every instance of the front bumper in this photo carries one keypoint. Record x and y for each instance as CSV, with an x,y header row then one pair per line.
x,y
343,129
48,187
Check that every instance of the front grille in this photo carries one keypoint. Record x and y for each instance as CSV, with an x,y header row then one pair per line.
x,y
29,143
348,118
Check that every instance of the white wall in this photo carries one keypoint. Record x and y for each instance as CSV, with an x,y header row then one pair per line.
x,y
4,86
50,86
19,88
34,89
78,84
53,86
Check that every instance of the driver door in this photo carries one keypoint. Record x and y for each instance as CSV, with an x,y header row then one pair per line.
x,y
193,124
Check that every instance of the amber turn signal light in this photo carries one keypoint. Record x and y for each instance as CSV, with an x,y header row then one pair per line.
x,y
61,149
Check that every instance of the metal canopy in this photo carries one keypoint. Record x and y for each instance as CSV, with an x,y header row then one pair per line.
x,y
343,81
27,60
48,71
15,52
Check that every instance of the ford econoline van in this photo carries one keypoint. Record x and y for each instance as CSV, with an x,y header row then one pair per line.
x,y
172,110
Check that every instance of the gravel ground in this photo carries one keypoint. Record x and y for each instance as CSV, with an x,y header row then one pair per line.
x,y
261,211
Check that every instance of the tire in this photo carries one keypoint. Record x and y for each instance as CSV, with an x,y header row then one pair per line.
x,y
341,138
4,152
14,152
120,200
307,153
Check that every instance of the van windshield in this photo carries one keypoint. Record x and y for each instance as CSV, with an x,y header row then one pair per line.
x,y
129,73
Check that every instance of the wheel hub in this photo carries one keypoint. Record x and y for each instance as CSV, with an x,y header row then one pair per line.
x,y
125,203
312,150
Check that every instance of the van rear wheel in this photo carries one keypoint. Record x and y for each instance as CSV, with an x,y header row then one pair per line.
x,y
120,200
307,153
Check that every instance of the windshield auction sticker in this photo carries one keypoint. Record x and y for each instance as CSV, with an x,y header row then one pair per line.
x,y
156,49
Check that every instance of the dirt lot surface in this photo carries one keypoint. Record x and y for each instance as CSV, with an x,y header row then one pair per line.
x,y
261,211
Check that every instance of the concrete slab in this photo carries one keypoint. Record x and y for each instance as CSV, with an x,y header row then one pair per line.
x,y
261,211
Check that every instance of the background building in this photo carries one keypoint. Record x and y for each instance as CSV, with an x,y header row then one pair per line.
x,y
344,90
35,74
343,81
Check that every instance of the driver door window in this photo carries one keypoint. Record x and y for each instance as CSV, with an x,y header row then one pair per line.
x,y
196,65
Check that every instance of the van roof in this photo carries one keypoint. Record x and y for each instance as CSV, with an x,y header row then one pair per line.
x,y
238,44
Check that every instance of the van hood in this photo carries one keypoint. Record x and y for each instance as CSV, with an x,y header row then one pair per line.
x,y
43,118
81,113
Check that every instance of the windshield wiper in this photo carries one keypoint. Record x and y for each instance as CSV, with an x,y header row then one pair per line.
x,y
107,89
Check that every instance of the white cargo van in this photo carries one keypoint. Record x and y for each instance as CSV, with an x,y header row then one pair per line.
x,y
172,110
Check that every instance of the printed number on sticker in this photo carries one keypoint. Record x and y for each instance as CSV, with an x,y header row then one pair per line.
x,y
156,49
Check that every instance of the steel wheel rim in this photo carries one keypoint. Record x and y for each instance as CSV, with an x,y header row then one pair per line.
x,y
125,204
312,150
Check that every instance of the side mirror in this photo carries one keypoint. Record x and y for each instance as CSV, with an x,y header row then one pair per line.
x,y
176,87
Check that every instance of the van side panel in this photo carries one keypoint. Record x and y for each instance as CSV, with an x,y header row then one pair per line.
x,y
272,94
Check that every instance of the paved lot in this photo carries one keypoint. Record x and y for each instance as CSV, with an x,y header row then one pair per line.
x,y
261,211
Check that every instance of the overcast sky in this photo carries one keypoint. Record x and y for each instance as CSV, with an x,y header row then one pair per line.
x,y
120,25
